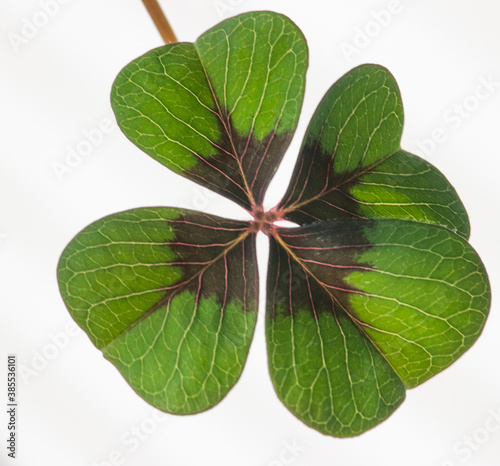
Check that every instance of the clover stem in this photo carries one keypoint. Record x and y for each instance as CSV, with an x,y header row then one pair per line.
x,y
160,20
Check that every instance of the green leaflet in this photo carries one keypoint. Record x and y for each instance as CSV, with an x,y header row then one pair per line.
x,y
223,110
170,297
351,164
424,297
358,308
323,368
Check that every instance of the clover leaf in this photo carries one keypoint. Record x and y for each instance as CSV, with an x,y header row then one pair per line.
x,y
375,291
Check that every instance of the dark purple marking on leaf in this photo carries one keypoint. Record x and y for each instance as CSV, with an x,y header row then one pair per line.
x,y
260,160
305,275
313,189
242,172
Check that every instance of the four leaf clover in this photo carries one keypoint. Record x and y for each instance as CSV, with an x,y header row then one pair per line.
x,y
375,291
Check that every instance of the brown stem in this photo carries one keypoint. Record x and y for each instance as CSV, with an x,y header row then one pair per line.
x,y
160,20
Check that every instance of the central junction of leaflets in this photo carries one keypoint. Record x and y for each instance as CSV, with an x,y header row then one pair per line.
x,y
374,291
264,221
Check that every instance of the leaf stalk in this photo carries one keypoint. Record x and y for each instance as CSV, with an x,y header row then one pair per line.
x,y
160,20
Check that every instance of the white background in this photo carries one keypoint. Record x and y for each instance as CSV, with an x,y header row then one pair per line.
x,y
74,407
